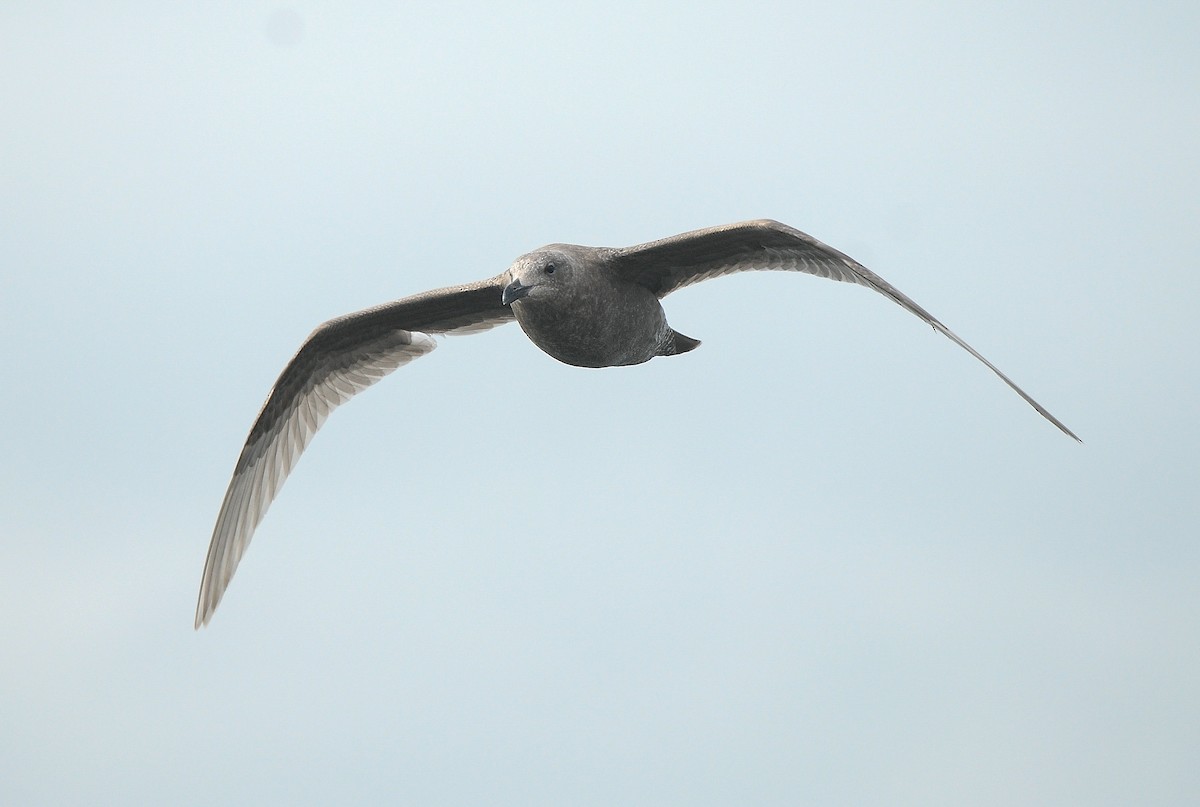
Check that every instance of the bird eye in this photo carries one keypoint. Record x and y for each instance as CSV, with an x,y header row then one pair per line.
x,y
549,269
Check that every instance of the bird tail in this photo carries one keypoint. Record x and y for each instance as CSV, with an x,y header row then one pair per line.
x,y
678,343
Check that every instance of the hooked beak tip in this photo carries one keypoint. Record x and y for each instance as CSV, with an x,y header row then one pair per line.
x,y
514,291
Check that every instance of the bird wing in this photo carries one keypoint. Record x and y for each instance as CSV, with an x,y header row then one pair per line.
x,y
672,263
338,360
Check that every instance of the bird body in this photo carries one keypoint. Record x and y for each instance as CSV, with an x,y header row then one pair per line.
x,y
585,306
573,304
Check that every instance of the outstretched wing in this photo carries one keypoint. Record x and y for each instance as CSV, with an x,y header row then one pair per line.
x,y
672,263
338,360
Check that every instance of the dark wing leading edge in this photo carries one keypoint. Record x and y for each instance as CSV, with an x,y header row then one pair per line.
x,y
672,263
338,360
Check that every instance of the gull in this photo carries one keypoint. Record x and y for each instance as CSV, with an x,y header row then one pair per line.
x,y
585,306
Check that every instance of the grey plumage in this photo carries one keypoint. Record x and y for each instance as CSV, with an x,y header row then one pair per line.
x,y
586,306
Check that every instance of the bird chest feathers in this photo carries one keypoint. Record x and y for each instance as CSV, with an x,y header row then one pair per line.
x,y
595,323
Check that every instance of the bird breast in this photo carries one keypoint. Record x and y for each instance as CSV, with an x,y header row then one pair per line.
x,y
595,327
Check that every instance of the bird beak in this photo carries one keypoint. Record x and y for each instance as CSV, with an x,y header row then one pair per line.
x,y
514,291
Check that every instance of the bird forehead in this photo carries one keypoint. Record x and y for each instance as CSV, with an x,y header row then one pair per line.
x,y
536,260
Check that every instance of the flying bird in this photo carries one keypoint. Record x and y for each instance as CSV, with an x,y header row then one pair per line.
x,y
585,306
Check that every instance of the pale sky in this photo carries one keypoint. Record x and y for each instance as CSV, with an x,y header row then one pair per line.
x,y
825,559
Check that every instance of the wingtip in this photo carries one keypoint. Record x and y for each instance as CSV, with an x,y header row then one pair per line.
x,y
202,617
205,607
1041,410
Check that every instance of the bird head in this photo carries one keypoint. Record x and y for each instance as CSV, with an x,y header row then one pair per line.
x,y
538,275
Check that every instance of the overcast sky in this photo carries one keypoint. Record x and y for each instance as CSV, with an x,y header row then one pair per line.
x,y
827,558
